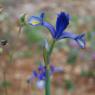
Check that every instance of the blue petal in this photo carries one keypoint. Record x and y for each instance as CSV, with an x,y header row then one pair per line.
x,y
40,67
42,76
52,68
32,77
49,27
42,15
34,21
59,69
81,40
35,74
68,35
61,23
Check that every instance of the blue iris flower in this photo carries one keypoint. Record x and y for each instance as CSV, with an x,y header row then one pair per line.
x,y
59,32
40,73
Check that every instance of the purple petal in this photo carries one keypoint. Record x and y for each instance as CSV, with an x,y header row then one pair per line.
x,y
42,15
78,38
35,74
68,35
41,67
38,21
49,27
81,40
34,21
61,23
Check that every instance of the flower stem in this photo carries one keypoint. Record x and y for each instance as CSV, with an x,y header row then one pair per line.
x,y
47,84
47,62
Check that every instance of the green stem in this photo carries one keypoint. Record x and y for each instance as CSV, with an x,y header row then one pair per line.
x,y
48,82
47,62
51,48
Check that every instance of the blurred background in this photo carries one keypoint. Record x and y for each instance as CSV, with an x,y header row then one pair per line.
x,y
23,52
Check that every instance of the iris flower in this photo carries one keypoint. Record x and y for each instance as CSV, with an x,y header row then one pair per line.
x,y
59,32
40,73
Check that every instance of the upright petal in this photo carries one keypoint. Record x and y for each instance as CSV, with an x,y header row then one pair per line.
x,y
61,23
49,26
42,15
41,67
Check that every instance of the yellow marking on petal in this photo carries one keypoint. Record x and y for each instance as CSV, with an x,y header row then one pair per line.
x,y
35,22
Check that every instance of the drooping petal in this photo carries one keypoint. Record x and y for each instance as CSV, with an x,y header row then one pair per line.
x,y
81,40
34,21
68,35
54,69
78,38
35,74
58,69
40,84
61,23
32,76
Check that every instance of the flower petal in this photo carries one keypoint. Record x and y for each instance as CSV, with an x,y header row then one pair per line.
x,y
61,23
35,74
58,69
49,27
32,76
34,21
42,15
81,40
68,35
40,84
42,75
